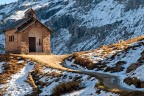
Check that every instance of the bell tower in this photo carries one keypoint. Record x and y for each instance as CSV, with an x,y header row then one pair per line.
x,y
30,13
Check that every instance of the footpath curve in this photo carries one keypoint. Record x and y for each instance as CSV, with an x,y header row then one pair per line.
x,y
110,81
56,62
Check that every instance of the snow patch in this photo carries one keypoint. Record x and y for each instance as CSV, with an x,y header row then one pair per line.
x,y
18,15
87,82
21,61
1,16
17,85
139,73
106,12
1,68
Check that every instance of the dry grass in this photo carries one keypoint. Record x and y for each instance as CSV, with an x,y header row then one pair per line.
x,y
76,54
133,93
54,74
35,76
33,79
2,91
116,91
66,88
4,57
51,61
83,59
125,93
121,45
85,62
32,83
139,38
12,67
101,86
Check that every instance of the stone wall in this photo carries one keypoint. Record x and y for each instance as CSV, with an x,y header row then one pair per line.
x,y
46,40
24,42
11,47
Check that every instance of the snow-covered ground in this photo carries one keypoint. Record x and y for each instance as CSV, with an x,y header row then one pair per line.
x,y
2,42
2,38
87,81
103,10
18,15
1,16
1,66
8,8
17,85
90,91
130,57
139,73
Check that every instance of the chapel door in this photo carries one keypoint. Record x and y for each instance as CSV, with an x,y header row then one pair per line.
x,y
32,44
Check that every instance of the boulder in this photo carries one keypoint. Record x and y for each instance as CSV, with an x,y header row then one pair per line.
x,y
117,68
141,59
132,67
128,80
121,63
142,84
108,69
135,81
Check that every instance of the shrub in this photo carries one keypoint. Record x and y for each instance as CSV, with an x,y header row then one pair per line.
x,y
55,74
135,81
76,54
67,87
133,93
4,57
91,66
31,81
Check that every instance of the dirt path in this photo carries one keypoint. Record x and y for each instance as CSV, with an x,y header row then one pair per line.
x,y
55,61
52,61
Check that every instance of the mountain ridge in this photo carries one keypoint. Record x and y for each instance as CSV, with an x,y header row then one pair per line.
x,y
81,25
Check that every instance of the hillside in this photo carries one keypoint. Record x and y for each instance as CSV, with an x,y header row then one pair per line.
x,y
79,25
124,59
111,70
21,76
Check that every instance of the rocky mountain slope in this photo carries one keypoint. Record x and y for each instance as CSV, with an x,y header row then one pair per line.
x,y
79,25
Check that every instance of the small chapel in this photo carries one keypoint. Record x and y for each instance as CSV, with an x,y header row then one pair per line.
x,y
27,35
